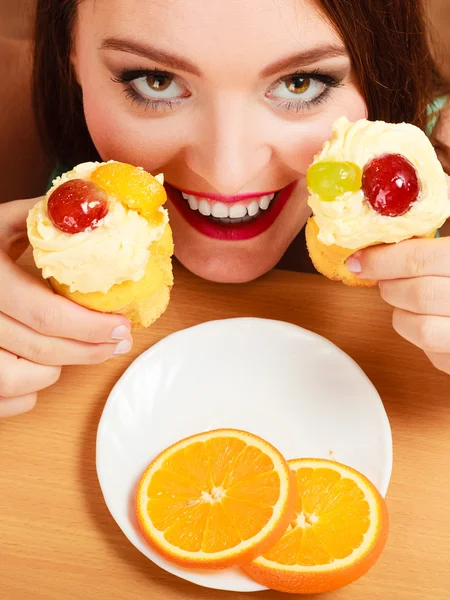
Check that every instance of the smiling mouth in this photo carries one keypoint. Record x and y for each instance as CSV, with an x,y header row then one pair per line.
x,y
230,213
230,218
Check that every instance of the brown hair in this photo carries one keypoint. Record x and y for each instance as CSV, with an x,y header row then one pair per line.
x,y
387,43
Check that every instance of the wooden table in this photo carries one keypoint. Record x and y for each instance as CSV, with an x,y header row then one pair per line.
x,y
57,538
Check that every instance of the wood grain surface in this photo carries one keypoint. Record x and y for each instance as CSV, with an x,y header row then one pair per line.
x,y
58,540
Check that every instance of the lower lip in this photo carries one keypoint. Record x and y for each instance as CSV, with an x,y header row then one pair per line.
x,y
228,231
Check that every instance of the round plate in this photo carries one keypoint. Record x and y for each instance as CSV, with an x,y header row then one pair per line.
x,y
290,386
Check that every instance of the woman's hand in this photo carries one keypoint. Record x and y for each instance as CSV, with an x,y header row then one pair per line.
x,y
414,278
40,331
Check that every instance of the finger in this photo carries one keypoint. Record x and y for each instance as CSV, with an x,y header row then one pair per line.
x,y
19,377
421,295
31,302
411,258
430,333
13,216
17,212
44,350
10,407
440,360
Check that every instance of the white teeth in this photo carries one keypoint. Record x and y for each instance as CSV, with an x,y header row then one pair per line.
x,y
237,211
228,212
193,203
265,201
160,178
253,208
204,208
220,210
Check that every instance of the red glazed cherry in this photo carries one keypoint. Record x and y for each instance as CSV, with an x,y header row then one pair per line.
x,y
390,184
77,205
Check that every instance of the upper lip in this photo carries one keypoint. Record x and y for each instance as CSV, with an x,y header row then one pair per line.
x,y
226,199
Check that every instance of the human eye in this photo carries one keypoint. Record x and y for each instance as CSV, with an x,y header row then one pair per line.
x,y
158,90
300,91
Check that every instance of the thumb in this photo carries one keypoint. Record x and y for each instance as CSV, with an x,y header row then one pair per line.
x,y
13,226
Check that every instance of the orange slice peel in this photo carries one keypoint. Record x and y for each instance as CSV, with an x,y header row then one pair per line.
x,y
338,532
216,499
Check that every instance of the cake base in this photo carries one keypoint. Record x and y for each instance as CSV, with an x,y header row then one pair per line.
x,y
330,260
141,302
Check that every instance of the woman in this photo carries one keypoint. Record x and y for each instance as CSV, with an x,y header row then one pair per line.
x,y
230,100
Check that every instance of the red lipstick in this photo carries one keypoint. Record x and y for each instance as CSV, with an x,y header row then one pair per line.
x,y
230,231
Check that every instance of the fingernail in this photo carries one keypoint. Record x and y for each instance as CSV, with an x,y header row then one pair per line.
x,y
354,264
123,347
120,333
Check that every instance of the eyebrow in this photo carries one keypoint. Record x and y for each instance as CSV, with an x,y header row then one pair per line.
x,y
169,60
173,61
302,59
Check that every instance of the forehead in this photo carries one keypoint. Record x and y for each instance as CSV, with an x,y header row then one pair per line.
x,y
233,29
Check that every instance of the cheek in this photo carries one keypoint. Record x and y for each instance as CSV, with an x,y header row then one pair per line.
x,y
313,133
119,135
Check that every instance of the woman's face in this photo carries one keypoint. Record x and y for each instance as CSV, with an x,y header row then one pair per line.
x,y
230,100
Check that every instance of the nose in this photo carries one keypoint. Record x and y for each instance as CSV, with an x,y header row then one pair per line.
x,y
228,150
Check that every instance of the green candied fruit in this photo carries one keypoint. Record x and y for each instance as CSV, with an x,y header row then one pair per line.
x,y
331,179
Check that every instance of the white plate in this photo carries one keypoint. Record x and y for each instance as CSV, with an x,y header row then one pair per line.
x,y
286,384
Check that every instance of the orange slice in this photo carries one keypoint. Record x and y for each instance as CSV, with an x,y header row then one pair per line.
x,y
339,530
133,187
216,499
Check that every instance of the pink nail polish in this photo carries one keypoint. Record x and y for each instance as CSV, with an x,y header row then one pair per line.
x,y
120,333
123,347
354,265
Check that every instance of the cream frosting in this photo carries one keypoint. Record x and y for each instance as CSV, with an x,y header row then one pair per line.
x,y
93,261
349,221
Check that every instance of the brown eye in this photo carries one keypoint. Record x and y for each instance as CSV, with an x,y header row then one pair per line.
x,y
158,81
298,91
298,85
159,86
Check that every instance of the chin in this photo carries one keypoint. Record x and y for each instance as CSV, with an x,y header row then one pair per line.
x,y
226,265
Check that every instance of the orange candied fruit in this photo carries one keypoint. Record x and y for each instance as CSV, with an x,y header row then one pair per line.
x,y
133,187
